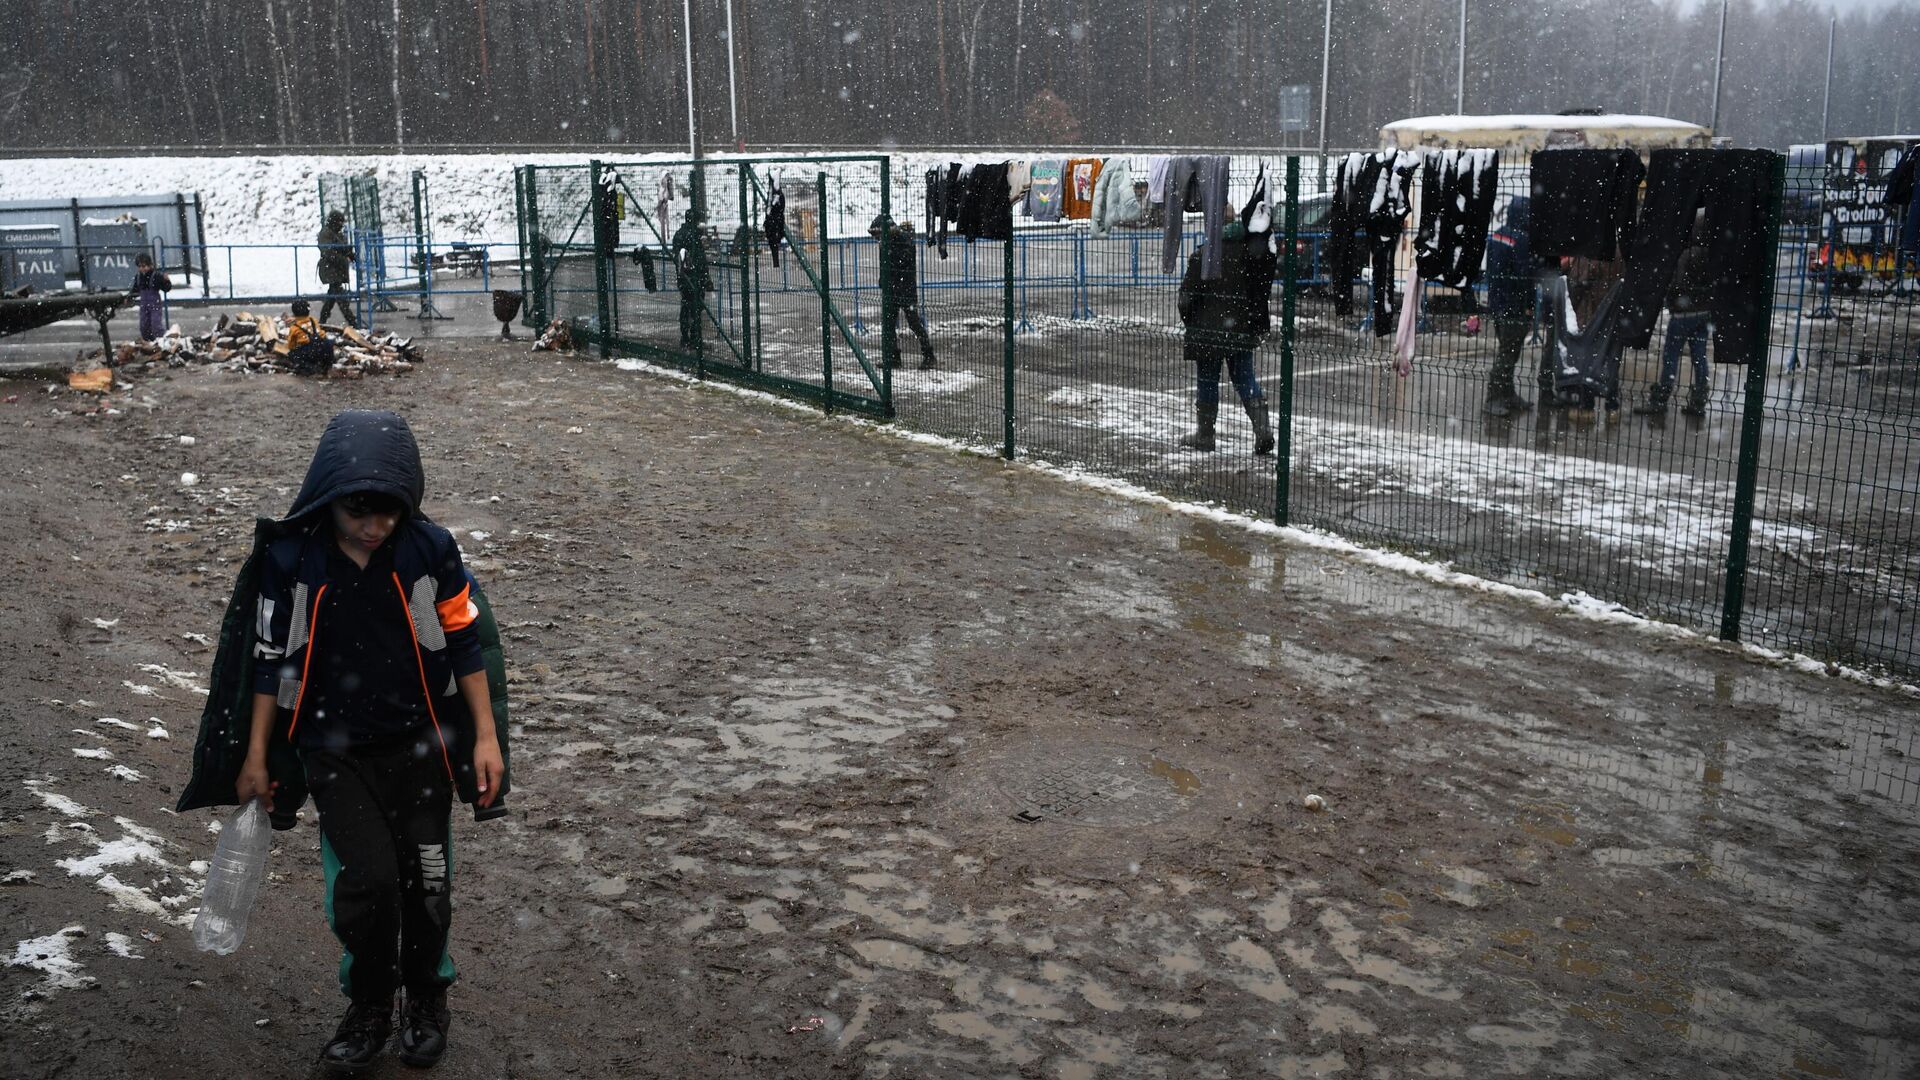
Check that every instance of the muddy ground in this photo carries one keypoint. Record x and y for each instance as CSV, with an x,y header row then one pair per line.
x,y
838,755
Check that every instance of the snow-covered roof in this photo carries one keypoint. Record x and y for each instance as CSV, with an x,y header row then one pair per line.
x,y
1542,131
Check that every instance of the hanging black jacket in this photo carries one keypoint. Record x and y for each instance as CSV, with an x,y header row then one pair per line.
x,y
1583,202
776,223
985,213
1457,188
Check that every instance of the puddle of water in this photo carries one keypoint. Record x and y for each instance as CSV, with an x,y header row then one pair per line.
x,y
1257,973
608,887
761,918
1183,781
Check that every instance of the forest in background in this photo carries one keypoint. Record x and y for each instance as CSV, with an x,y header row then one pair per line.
x,y
109,73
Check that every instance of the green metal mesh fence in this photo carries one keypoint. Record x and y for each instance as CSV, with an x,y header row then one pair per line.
x,y
1067,348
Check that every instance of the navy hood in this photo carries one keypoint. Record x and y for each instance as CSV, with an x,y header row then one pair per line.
x,y
362,450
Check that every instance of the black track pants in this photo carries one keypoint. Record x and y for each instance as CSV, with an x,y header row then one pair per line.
x,y
385,840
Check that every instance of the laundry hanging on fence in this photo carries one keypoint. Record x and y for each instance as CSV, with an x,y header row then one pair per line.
x,y
1734,188
1019,180
1195,183
1346,215
1372,194
1409,323
985,213
1045,190
1385,181
1077,198
775,225
1114,202
663,189
1583,202
1457,188
1157,167
941,185
1257,214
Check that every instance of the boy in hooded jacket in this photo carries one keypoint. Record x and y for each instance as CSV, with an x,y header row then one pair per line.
x,y
367,666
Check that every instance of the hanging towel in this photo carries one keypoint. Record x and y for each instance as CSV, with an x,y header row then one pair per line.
x,y
1403,338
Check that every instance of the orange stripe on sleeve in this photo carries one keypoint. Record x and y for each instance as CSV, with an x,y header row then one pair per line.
x,y
457,612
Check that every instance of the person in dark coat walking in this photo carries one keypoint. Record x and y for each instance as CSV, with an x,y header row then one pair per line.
x,y
336,260
1222,329
689,250
901,273
148,285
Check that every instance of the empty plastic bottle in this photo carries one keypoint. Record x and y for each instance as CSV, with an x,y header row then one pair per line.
x,y
239,862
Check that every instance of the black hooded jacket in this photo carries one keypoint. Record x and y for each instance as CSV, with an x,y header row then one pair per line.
x,y
273,618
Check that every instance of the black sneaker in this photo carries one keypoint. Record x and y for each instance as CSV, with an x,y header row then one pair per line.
x,y
360,1038
423,1028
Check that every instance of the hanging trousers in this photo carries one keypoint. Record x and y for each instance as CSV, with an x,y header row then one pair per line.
x,y
1733,186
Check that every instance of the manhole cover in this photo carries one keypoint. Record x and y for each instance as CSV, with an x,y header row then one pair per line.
x,y
1109,787
1413,516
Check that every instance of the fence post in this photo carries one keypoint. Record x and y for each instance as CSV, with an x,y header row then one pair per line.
x,y
1006,346
1752,416
826,291
200,236
596,198
520,233
749,252
1290,287
887,299
536,272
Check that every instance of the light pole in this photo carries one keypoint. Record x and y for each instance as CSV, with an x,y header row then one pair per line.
x,y
1719,58
733,100
1460,73
693,122
1826,96
1326,59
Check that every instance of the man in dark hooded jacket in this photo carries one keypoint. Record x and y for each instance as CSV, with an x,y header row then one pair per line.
x,y
901,273
336,259
1511,304
1225,318
370,690
689,250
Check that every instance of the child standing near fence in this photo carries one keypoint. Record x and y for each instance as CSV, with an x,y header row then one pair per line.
x,y
148,286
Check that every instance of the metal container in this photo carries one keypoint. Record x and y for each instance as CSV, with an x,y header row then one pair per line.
x,y
109,248
30,256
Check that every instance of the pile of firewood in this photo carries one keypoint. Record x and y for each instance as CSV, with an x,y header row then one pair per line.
x,y
247,342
